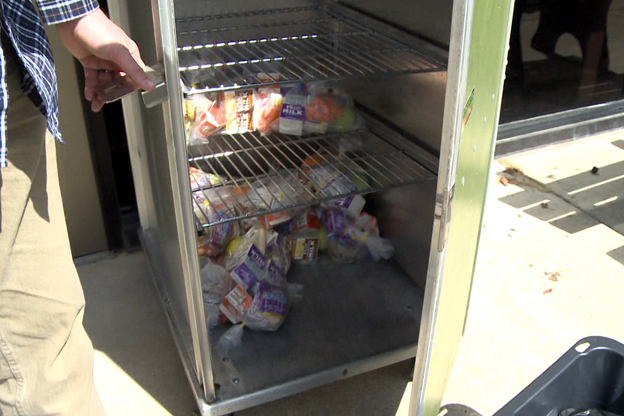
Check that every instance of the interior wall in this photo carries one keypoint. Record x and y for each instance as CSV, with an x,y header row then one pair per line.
x,y
429,18
83,212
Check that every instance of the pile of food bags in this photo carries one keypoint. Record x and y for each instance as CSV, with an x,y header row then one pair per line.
x,y
246,261
294,109
244,278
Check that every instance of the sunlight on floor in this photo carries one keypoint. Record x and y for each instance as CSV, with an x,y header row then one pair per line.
x,y
120,394
405,401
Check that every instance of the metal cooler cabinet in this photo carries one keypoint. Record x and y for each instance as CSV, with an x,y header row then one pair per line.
x,y
427,76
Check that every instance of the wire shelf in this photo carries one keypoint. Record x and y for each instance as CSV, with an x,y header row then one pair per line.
x,y
245,175
284,46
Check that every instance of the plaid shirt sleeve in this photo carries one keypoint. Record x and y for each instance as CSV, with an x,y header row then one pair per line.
x,y
59,11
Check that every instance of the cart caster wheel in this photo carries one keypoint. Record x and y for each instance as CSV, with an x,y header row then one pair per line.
x,y
458,410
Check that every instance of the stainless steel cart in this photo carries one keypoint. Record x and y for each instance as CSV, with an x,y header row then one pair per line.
x,y
427,77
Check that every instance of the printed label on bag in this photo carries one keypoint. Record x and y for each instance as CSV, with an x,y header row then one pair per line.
x,y
293,112
305,248
235,304
250,270
335,223
275,275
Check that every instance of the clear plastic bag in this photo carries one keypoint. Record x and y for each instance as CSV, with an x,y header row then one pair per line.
x,y
216,284
204,115
258,265
200,179
267,107
379,248
232,338
346,236
275,193
330,109
268,309
278,250
211,206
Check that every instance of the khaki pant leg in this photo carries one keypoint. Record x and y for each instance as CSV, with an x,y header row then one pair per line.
x,y
46,357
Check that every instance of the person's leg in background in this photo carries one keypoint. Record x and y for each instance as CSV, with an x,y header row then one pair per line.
x,y
46,357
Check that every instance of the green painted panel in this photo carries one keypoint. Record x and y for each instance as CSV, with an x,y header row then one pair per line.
x,y
488,53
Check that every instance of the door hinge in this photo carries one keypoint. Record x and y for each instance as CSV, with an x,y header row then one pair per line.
x,y
446,203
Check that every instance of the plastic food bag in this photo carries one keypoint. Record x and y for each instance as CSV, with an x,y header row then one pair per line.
x,y
330,109
255,257
379,248
239,111
235,304
324,106
203,116
232,338
346,237
200,179
267,107
268,309
275,193
330,181
260,298
249,267
278,250
237,254
216,284
211,206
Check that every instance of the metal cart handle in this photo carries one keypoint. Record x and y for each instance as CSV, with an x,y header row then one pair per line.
x,y
122,86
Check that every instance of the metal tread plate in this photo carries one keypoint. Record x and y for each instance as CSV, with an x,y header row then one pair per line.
x,y
352,318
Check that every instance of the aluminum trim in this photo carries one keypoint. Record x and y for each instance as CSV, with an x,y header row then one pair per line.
x,y
311,381
516,130
164,19
151,247
451,135
135,132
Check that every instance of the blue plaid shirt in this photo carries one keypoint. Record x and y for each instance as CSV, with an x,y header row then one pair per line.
x,y
23,23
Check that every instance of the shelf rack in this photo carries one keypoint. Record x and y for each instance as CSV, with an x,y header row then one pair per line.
x,y
246,50
250,174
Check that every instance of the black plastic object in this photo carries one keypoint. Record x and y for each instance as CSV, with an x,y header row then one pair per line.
x,y
586,412
589,375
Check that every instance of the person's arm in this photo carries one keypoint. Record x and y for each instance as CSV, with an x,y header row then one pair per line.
x,y
96,42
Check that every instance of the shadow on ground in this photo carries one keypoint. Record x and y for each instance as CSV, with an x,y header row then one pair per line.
x,y
126,321
574,203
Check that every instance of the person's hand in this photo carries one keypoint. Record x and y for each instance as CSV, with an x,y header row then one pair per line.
x,y
104,50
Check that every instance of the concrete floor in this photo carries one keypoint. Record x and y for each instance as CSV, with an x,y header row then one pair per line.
x,y
550,272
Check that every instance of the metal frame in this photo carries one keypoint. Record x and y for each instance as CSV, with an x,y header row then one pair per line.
x,y
312,381
451,130
150,242
477,74
568,125
198,356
